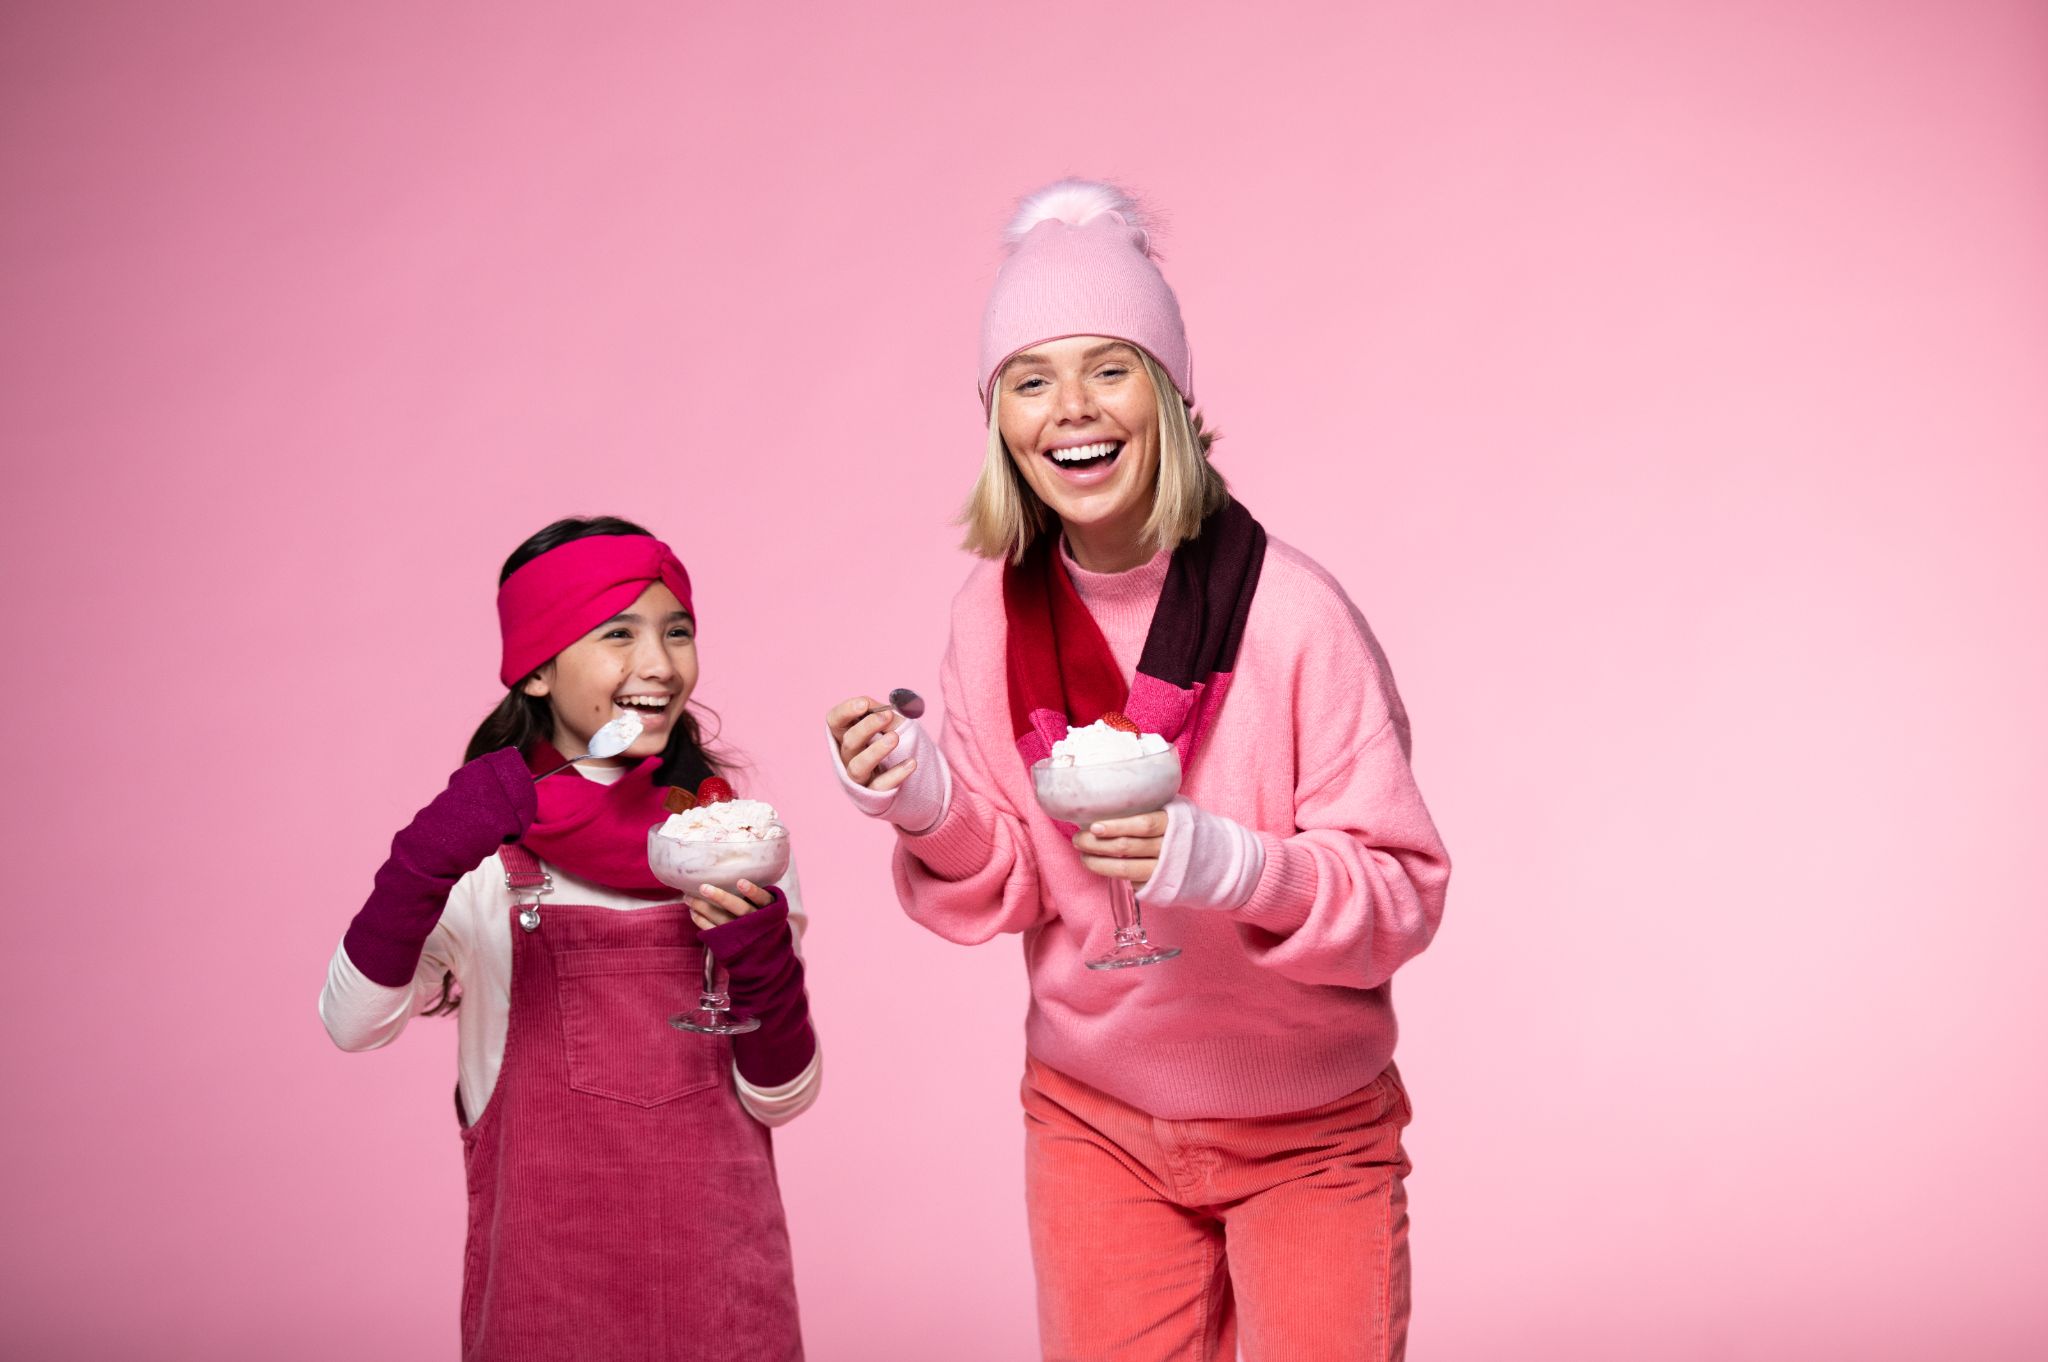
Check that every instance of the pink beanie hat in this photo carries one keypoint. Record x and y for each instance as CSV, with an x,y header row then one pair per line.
x,y
1081,264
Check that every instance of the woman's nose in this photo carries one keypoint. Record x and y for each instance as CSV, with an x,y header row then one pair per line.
x,y
1076,403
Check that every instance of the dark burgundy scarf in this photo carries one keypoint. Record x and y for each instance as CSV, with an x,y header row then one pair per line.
x,y
597,832
1061,669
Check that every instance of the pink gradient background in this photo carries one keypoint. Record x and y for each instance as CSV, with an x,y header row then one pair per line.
x,y
1666,383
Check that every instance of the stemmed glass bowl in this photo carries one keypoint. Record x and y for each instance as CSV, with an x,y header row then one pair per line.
x,y
1084,794
689,866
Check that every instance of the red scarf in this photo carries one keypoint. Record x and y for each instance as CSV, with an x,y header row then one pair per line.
x,y
1061,670
597,832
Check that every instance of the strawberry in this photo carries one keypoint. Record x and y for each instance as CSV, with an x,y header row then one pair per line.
x,y
678,799
714,791
1116,720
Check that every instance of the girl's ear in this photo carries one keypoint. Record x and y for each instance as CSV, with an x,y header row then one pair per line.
x,y
537,684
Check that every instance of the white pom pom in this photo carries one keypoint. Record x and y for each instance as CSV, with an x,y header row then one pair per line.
x,y
1074,202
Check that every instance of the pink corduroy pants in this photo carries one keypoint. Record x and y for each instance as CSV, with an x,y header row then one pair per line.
x,y
1157,1240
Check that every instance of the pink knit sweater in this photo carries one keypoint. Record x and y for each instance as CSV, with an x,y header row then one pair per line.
x,y
1280,1004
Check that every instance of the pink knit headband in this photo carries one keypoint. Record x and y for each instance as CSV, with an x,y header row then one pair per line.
x,y
557,598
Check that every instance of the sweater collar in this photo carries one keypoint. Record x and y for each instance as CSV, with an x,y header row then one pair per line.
x,y
1138,586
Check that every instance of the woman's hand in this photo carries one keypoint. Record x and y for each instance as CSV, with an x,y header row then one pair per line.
x,y
716,907
1123,848
865,740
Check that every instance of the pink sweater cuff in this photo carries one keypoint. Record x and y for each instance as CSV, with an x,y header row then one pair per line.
x,y
915,806
956,848
1205,861
1285,891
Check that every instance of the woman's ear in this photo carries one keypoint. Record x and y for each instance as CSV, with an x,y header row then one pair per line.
x,y
538,684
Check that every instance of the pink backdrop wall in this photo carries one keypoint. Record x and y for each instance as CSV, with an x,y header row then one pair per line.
x,y
1665,381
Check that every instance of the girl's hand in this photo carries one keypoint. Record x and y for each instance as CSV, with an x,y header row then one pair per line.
x,y
864,741
488,803
1123,848
716,907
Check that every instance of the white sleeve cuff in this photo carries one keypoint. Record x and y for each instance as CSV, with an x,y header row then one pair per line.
x,y
1205,861
917,804
359,1012
784,1102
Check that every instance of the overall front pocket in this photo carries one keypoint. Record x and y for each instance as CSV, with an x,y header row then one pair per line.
x,y
616,1002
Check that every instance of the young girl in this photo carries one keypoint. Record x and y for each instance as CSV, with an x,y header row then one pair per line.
x,y
1213,1143
622,1192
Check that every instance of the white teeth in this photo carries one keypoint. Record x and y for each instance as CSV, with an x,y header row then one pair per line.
x,y
1082,453
641,702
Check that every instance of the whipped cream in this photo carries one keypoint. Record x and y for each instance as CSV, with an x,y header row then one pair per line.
x,y
1098,744
616,736
1102,772
734,820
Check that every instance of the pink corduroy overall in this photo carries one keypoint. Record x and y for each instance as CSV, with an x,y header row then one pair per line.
x,y
623,1207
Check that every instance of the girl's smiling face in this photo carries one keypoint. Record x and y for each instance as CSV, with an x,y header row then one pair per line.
x,y
643,659
1081,422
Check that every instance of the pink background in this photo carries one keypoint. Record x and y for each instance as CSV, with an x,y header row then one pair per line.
x,y
1666,382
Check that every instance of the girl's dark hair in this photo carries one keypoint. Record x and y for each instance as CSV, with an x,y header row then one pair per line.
x,y
520,719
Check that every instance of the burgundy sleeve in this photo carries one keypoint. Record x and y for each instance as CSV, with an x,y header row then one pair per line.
x,y
766,980
487,803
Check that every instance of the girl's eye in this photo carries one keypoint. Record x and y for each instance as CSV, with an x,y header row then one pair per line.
x,y
1029,385
618,633
1117,372
681,634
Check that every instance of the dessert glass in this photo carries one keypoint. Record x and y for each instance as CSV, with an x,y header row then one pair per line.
x,y
689,866
1083,794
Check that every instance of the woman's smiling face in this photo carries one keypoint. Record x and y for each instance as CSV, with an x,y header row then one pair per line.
x,y
1081,422
642,660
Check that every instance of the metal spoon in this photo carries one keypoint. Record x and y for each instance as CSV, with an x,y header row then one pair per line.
x,y
614,738
906,702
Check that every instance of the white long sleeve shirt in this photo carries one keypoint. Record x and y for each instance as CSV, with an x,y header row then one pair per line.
x,y
473,941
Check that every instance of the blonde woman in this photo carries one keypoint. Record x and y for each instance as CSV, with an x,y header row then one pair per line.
x,y
1213,1143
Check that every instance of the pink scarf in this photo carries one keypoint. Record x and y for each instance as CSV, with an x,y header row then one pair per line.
x,y
597,832
1062,672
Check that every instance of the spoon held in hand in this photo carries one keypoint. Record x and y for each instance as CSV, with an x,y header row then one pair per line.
x,y
614,738
908,703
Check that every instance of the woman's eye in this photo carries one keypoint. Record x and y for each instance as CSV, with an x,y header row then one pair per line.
x,y
681,635
1029,385
1112,373
618,633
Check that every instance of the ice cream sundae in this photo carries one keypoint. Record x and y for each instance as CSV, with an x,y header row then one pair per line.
x,y
1107,770
720,843
1110,769
712,838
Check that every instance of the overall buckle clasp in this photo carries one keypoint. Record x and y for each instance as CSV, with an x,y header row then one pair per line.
x,y
529,916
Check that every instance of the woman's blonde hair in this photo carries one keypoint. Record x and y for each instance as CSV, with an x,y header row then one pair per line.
x,y
1003,515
